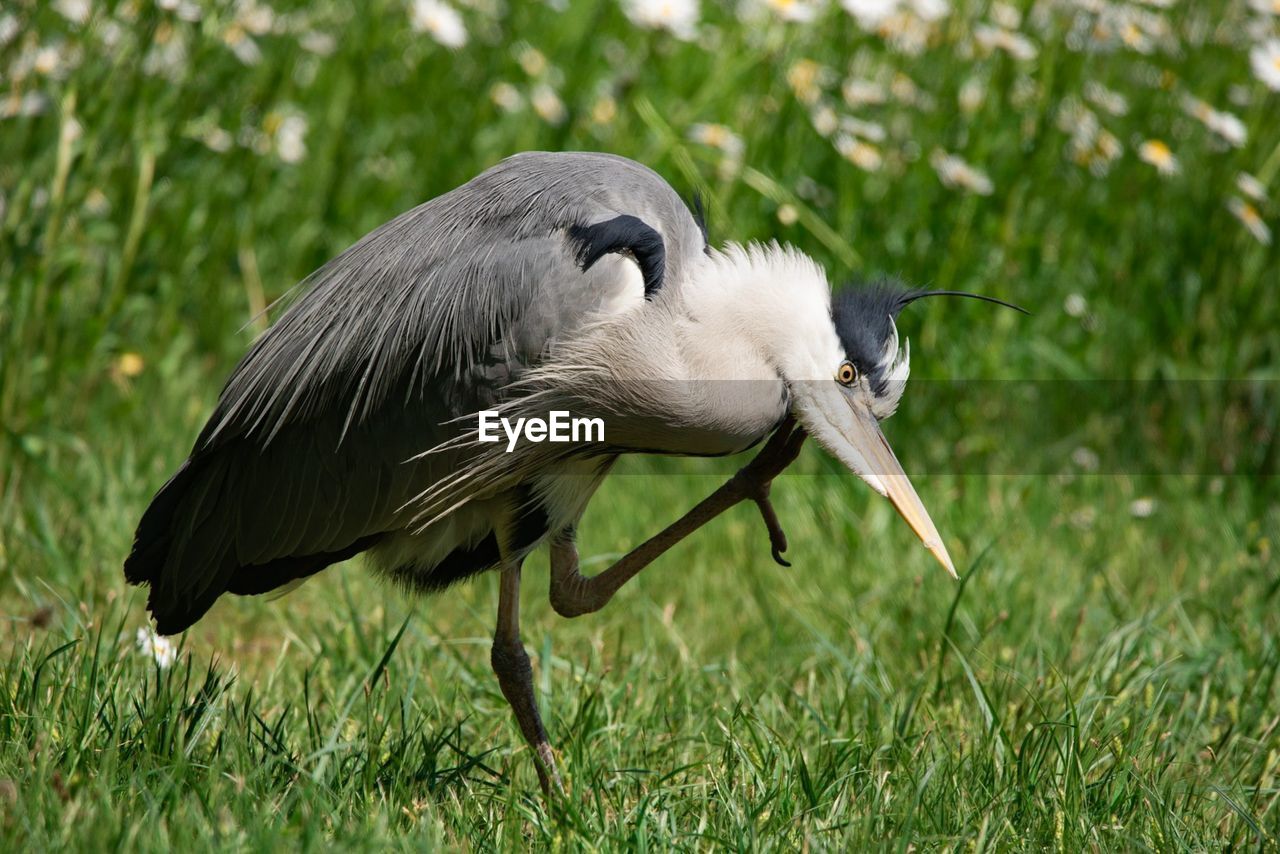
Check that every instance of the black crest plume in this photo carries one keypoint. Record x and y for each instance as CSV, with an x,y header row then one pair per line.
x,y
864,314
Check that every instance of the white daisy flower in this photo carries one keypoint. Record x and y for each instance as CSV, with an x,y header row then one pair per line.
x,y
931,10
8,29
678,17
1251,187
75,11
870,131
96,203
291,138
825,121
254,18
242,45
1159,155
547,104
51,60
1226,125
440,21
958,175
1086,458
1015,44
1106,99
182,9
1006,15
859,93
718,136
906,32
1265,7
864,155
1142,508
871,13
532,60
321,44
1084,517
604,110
1250,219
1092,146
1265,59
1137,29
505,96
159,648
1106,150
973,92
218,140
29,104
806,79
110,33
167,59
905,90
792,11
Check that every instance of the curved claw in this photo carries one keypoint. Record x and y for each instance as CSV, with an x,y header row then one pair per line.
x,y
777,537
755,479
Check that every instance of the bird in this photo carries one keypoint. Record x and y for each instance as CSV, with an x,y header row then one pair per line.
x,y
573,282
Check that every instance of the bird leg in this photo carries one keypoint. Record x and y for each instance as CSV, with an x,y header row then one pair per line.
x,y
515,677
573,594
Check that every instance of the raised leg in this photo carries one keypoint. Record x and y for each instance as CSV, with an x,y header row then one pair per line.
x,y
572,594
515,677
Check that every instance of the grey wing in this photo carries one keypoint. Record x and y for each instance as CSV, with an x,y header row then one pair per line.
x,y
309,456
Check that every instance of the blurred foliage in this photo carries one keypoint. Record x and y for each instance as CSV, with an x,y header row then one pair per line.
x,y
164,189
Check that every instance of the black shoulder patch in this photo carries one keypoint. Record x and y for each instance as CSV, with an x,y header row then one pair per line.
x,y
623,233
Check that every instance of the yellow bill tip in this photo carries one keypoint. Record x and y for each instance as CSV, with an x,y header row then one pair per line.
x,y
939,550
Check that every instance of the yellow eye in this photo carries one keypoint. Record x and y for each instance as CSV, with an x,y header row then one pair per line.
x,y
847,374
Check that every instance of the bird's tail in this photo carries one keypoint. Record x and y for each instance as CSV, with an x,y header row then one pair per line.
x,y
165,527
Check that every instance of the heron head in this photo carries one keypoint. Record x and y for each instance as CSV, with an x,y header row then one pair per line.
x,y
868,373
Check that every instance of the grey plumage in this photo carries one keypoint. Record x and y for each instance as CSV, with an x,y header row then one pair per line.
x,y
425,319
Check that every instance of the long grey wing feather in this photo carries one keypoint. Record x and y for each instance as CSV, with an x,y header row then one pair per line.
x,y
444,281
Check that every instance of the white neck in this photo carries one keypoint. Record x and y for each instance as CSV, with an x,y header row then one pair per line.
x,y
759,312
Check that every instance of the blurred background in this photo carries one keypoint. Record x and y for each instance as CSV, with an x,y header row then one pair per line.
x,y
169,168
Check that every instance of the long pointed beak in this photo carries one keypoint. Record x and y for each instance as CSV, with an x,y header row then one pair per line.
x,y
873,446
853,435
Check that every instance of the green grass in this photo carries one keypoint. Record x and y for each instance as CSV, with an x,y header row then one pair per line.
x,y
1100,678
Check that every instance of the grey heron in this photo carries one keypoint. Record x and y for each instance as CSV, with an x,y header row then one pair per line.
x,y
551,282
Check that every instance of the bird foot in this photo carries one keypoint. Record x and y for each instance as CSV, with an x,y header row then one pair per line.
x,y
755,479
777,537
548,772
